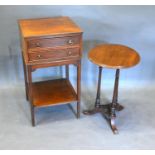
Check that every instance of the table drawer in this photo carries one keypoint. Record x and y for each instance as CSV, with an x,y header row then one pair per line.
x,y
54,54
52,42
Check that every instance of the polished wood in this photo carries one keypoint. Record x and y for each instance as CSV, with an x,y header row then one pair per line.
x,y
54,42
54,54
105,107
50,63
116,57
48,26
43,94
114,103
48,42
46,34
97,103
30,95
26,80
97,107
78,88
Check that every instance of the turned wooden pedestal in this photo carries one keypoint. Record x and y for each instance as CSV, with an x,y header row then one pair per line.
x,y
115,57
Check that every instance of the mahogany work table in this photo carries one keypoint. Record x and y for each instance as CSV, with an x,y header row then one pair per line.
x,y
48,42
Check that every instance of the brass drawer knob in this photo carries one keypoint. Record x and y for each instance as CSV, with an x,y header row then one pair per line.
x,y
39,56
37,44
70,42
69,53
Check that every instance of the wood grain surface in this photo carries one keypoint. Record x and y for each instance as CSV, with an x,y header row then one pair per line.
x,y
114,56
48,26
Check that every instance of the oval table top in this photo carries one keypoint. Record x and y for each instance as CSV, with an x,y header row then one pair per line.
x,y
114,56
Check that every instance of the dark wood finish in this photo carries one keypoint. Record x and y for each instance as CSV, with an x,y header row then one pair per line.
x,y
30,95
50,42
49,63
54,54
114,102
43,94
114,56
111,56
54,42
78,88
97,103
26,80
97,107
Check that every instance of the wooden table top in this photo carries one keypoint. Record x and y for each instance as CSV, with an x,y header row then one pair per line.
x,y
114,56
48,26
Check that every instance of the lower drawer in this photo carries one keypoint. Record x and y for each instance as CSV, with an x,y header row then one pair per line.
x,y
54,54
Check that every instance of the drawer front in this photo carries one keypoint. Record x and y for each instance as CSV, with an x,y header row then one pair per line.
x,y
54,54
53,42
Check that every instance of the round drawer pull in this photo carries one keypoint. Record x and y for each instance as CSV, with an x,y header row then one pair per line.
x,y
70,42
69,53
39,56
37,44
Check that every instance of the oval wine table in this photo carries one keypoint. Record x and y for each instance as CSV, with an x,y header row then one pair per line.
x,y
115,57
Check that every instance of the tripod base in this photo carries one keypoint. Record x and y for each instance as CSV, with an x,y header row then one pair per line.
x,y
106,111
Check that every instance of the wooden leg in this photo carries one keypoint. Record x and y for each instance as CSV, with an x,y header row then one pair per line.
x,y
67,72
26,80
30,95
108,110
113,104
33,115
78,109
118,107
78,88
97,102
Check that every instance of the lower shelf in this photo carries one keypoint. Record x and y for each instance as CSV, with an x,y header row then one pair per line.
x,y
53,92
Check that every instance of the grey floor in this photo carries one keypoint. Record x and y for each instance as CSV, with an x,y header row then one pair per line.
x,y
57,127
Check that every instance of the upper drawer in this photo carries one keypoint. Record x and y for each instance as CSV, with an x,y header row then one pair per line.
x,y
52,42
